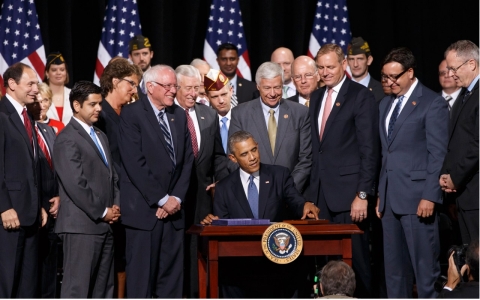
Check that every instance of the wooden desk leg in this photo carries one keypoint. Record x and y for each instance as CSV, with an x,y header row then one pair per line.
x,y
213,268
347,250
202,276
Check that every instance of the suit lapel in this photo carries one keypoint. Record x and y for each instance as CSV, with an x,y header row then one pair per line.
x,y
337,106
105,146
407,109
283,120
259,121
150,116
201,119
383,118
87,137
170,112
266,184
17,122
317,104
240,196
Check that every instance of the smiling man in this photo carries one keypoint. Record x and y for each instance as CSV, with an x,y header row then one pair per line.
x,y
281,127
305,77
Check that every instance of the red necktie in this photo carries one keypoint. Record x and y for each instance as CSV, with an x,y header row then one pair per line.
x,y
42,146
28,126
326,111
191,128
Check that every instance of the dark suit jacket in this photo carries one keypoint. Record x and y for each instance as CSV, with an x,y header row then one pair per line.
x,y
146,173
293,146
412,160
246,90
49,184
108,122
461,160
209,166
294,98
276,190
376,88
20,166
346,160
87,185
462,290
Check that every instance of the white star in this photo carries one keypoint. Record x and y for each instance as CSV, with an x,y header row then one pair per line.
x,y
325,17
344,20
9,19
232,10
343,31
210,29
345,8
20,9
112,30
210,18
240,24
120,54
36,37
334,29
212,6
230,33
317,27
220,20
28,24
10,7
134,12
25,47
325,28
231,22
221,8
19,21
122,32
15,44
123,21
335,18
132,23
103,29
17,32
131,34
219,31
342,43
114,7
318,16
7,30
120,43
26,35
111,42
14,55
113,19
219,43
333,41
239,46
5,42
37,26
335,6
324,40
319,4
327,5
240,35
124,9
29,12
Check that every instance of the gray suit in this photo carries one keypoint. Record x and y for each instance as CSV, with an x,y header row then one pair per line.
x,y
87,188
293,145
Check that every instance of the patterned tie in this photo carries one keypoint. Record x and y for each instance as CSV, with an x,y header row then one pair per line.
x,y
272,130
224,133
253,196
94,138
203,101
43,147
393,117
448,98
326,111
307,103
193,134
233,100
167,137
28,126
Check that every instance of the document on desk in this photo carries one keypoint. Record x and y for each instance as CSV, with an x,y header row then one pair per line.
x,y
238,222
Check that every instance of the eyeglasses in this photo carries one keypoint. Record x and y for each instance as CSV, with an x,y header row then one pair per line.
x,y
133,84
454,70
308,76
393,78
167,86
188,89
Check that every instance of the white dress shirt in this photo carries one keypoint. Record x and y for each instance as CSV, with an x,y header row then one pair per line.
x,y
454,96
292,90
266,112
229,117
365,81
405,99
336,89
301,100
193,115
233,81
245,179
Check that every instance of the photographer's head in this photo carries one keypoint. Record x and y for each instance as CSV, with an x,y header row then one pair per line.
x,y
471,260
337,278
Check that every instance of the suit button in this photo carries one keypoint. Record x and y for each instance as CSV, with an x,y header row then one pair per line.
x,y
321,151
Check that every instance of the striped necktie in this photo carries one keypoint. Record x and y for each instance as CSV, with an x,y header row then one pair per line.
x,y
233,99
167,136
393,117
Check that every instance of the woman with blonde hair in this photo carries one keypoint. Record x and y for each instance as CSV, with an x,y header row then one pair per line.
x,y
44,97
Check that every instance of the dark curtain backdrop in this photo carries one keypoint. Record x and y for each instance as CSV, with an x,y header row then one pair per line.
x,y
177,28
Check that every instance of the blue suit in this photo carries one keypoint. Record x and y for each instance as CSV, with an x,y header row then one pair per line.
x,y
411,164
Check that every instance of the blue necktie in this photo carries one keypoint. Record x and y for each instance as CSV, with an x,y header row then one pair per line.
x,y
467,93
94,138
167,136
393,117
224,133
253,197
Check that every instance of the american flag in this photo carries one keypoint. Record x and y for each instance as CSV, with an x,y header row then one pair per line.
x,y
120,24
330,25
225,26
20,37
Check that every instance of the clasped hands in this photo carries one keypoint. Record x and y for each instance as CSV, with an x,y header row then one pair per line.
x,y
171,207
113,213
446,183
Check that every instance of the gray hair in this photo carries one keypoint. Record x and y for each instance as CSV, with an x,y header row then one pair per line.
x,y
309,60
187,71
152,73
337,278
268,70
197,62
465,49
237,137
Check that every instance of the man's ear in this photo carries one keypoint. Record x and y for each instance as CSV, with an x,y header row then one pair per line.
x,y
232,158
369,60
321,289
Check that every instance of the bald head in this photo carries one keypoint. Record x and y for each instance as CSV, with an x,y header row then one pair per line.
x,y
284,57
305,76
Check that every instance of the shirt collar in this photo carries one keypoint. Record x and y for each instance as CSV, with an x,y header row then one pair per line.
x,y
339,86
472,84
244,176
155,109
84,125
454,95
18,107
228,115
191,109
365,81
410,90
266,109
234,81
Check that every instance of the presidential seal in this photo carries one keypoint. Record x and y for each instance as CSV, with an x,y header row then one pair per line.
x,y
282,243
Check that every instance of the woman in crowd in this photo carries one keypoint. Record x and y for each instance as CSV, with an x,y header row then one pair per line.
x,y
44,97
56,76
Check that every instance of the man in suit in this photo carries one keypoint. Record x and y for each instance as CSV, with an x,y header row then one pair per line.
x,y
450,89
282,127
219,93
48,239
359,59
209,166
89,198
157,157
345,154
284,57
203,67
460,168
305,77
243,90
413,122
21,208
260,191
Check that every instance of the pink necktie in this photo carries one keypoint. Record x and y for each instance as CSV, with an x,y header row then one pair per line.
x,y
326,111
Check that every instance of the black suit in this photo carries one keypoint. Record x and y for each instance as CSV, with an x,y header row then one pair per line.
x,y
147,177
461,161
19,191
294,98
210,166
108,122
48,243
246,90
345,162
467,290
268,279
376,88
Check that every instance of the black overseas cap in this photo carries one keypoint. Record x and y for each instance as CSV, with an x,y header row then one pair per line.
x,y
55,58
139,42
358,46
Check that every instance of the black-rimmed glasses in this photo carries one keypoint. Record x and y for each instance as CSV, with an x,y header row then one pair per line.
x,y
133,84
167,86
393,78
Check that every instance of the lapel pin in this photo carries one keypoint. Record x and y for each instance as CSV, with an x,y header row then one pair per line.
x,y
172,119
44,130
239,84
337,104
267,181
414,103
285,116
371,89
202,118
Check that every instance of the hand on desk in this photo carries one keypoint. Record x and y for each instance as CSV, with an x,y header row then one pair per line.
x,y
310,211
208,219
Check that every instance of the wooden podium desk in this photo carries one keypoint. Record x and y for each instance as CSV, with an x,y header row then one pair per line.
x,y
236,241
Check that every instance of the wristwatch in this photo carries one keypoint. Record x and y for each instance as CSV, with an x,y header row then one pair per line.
x,y
362,195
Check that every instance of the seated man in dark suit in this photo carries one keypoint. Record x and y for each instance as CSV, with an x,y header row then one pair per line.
x,y
257,191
